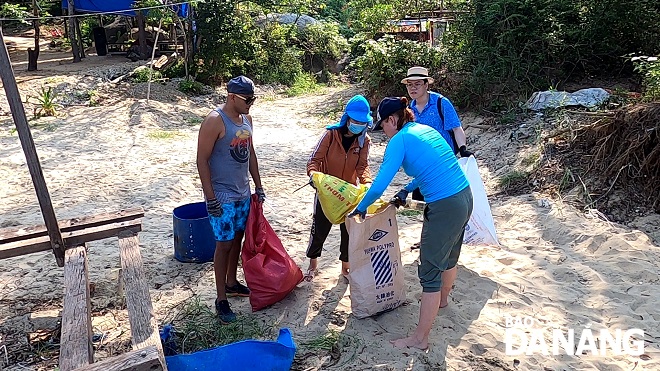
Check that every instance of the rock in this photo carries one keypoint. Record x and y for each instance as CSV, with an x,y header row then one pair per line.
x,y
545,203
300,20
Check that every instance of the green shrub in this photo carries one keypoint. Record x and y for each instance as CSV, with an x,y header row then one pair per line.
x,y
509,48
176,70
371,17
386,61
649,68
322,40
142,75
233,44
191,87
276,60
304,83
229,41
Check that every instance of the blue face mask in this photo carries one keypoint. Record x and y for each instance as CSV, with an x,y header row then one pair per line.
x,y
356,127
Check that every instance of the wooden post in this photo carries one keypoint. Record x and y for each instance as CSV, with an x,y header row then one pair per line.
x,y
76,343
72,32
80,38
33,55
144,328
20,120
137,360
142,34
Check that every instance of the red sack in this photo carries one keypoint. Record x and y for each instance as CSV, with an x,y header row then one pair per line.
x,y
270,273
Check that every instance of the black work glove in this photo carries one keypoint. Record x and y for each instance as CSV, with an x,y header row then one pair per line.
x,y
214,207
362,214
399,199
464,152
261,194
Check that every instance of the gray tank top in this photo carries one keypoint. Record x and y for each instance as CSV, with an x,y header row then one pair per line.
x,y
230,161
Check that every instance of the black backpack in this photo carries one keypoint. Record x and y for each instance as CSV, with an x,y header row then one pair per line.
x,y
442,118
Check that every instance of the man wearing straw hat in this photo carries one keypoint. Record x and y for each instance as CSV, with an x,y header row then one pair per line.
x,y
435,110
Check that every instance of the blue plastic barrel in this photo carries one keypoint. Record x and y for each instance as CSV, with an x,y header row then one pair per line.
x,y
194,241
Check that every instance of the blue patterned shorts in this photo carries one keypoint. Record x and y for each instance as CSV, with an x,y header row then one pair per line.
x,y
233,219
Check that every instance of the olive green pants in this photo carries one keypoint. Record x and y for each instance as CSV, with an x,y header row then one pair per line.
x,y
442,237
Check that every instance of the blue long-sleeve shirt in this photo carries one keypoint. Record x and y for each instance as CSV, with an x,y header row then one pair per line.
x,y
425,156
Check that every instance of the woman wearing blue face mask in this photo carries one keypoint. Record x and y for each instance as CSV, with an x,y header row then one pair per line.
x,y
343,152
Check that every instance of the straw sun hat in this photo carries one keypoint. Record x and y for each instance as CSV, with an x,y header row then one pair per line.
x,y
417,73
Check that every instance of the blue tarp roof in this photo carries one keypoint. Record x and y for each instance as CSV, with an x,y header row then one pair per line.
x,y
122,7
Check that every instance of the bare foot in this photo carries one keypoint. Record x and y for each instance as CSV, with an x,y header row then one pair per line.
x,y
410,342
444,304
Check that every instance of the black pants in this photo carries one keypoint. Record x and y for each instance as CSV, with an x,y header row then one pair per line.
x,y
320,229
417,195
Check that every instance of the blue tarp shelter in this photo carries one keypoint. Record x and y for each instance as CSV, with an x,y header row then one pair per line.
x,y
120,7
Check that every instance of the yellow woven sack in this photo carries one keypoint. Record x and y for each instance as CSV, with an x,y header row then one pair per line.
x,y
339,197
378,206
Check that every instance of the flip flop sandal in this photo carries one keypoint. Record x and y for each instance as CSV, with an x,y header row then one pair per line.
x,y
311,273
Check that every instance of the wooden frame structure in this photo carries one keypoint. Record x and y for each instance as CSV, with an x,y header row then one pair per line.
x,y
67,241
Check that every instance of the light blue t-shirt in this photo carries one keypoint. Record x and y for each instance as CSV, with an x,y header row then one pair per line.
x,y
430,116
426,157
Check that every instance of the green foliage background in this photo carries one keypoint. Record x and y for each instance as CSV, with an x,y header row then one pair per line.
x,y
494,51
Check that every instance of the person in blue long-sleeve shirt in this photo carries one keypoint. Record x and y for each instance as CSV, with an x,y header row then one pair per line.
x,y
425,156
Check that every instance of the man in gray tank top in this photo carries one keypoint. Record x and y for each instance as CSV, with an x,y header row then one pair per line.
x,y
225,156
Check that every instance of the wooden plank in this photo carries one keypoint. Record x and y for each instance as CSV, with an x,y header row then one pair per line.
x,y
136,360
76,341
12,234
144,328
38,244
24,134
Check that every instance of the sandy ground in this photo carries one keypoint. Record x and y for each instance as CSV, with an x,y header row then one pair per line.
x,y
559,266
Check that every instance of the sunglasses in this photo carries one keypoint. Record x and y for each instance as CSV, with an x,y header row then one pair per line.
x,y
248,100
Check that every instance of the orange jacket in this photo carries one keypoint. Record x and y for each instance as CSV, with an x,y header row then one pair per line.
x,y
330,158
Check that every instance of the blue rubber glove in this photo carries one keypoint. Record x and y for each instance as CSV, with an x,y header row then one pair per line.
x,y
362,214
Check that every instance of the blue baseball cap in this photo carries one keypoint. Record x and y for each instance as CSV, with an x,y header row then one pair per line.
x,y
240,85
386,108
358,109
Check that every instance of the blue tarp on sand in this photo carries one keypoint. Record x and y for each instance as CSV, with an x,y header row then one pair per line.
x,y
122,7
248,355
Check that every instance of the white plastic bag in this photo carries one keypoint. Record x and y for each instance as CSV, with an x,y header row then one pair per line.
x,y
376,274
480,229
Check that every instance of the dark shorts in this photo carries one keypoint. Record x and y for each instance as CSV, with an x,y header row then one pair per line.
x,y
442,237
233,220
